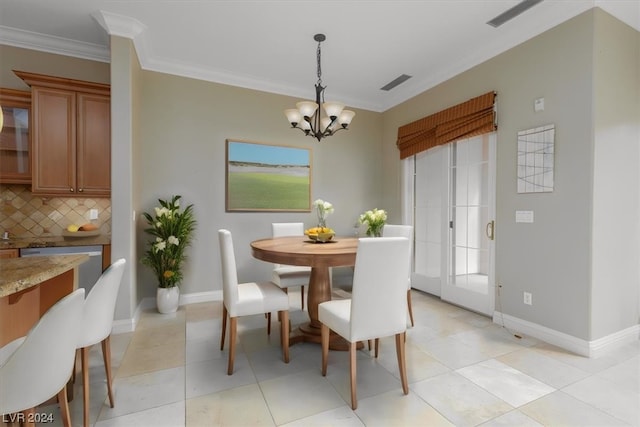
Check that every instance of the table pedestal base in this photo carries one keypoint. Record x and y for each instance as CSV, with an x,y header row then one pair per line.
x,y
308,333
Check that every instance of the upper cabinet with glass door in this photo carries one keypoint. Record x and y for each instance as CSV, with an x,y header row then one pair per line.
x,y
15,140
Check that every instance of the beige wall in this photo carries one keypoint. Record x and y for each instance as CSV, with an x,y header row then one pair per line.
x,y
183,127
615,267
14,58
125,70
553,257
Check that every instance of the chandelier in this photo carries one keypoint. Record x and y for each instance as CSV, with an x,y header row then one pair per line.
x,y
319,119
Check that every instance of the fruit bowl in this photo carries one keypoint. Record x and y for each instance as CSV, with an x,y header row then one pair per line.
x,y
320,234
322,237
79,234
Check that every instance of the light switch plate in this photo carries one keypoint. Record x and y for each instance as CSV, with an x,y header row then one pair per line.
x,y
524,216
538,105
93,214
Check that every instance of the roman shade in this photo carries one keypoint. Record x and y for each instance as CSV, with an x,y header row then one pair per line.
x,y
473,117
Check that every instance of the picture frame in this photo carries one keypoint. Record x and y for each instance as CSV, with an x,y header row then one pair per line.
x,y
264,177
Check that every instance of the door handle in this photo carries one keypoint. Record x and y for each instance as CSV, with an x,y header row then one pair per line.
x,y
489,230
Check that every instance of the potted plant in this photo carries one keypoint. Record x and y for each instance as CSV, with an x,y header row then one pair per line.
x,y
172,229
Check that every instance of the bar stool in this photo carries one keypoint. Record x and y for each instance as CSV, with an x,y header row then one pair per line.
x,y
37,367
97,321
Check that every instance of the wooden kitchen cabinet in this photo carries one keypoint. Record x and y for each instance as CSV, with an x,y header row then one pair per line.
x,y
71,137
9,253
15,141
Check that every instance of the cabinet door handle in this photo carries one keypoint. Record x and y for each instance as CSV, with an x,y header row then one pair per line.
x,y
71,189
80,190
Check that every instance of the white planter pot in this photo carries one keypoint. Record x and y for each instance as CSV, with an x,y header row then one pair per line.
x,y
168,299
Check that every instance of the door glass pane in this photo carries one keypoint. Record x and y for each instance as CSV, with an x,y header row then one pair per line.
x,y
429,202
453,201
469,172
14,142
459,231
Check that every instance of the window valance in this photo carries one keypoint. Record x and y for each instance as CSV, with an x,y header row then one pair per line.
x,y
473,117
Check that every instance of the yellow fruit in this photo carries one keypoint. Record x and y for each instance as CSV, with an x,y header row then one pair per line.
x,y
73,228
314,231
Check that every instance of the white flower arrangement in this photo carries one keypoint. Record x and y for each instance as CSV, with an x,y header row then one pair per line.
x,y
323,209
375,220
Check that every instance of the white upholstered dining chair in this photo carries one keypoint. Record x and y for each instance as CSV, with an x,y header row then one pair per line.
x,y
245,299
97,322
37,367
377,307
392,230
286,276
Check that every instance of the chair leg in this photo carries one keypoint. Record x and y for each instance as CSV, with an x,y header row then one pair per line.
x,y
302,297
324,336
409,307
233,326
402,365
106,356
64,406
29,416
377,347
369,344
224,326
268,323
75,366
353,370
84,359
286,291
284,334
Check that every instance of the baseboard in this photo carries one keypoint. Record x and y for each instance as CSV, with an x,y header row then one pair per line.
x,y
123,326
615,340
592,349
200,297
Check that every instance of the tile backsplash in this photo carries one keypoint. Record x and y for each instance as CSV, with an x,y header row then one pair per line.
x,y
25,215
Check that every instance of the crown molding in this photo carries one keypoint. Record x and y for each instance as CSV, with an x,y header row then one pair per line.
x,y
119,25
58,45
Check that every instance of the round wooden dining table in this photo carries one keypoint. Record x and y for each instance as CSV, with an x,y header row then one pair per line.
x,y
298,250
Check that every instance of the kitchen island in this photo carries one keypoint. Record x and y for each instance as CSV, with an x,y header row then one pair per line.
x,y
29,287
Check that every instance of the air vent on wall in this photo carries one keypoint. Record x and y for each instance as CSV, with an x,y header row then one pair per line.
x,y
395,82
513,12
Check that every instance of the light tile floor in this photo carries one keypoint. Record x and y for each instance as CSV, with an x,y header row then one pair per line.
x,y
463,370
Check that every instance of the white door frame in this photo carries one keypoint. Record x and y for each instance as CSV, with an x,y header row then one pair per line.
x,y
472,300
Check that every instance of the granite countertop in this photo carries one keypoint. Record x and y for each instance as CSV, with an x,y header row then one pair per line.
x,y
54,241
22,273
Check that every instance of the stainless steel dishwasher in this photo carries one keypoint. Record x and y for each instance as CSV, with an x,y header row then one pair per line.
x,y
89,271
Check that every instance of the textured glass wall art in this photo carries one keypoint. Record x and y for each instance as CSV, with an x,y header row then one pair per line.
x,y
535,159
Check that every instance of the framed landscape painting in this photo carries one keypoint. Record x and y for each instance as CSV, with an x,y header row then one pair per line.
x,y
263,177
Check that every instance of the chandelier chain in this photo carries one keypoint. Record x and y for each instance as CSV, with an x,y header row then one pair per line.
x,y
318,53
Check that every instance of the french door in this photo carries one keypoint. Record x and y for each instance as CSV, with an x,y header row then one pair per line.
x,y
453,193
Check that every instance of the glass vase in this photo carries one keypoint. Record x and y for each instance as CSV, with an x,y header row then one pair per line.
x,y
374,231
322,222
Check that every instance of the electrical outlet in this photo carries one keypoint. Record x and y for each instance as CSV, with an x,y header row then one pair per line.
x,y
528,298
93,214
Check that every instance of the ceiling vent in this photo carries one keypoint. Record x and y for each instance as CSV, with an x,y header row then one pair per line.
x,y
395,82
516,10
